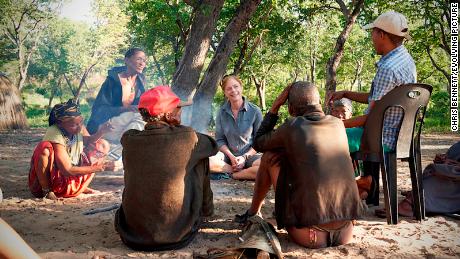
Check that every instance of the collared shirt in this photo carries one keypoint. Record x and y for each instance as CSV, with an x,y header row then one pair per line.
x,y
394,69
237,134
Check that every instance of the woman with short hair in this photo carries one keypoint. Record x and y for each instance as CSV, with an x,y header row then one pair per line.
x,y
237,123
119,96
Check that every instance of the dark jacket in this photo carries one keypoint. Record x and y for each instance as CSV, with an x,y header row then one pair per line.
x,y
167,186
316,183
108,102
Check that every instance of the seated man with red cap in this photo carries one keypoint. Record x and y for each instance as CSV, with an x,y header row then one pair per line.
x,y
167,188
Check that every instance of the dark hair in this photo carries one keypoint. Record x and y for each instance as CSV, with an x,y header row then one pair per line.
x,y
149,118
395,39
132,51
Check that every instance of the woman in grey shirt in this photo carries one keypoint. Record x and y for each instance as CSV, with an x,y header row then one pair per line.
x,y
237,123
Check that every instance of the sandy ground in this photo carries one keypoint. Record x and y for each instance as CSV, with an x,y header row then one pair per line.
x,y
58,229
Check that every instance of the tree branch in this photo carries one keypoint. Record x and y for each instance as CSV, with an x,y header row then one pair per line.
x,y
11,36
31,51
179,23
343,8
319,9
83,80
69,84
444,45
444,72
31,30
446,11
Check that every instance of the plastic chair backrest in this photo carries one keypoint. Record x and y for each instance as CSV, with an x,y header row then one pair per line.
x,y
412,99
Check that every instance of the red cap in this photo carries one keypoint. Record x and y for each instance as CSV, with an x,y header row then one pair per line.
x,y
160,99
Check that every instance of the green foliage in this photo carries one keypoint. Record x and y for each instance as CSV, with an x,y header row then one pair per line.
x,y
21,25
70,49
37,115
438,113
285,41
160,28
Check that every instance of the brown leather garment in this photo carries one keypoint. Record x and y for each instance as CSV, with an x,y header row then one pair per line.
x,y
316,183
166,186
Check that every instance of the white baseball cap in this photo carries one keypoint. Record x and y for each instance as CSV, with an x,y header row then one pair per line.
x,y
391,22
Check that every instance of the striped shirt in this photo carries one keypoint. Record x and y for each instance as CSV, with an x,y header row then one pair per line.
x,y
394,69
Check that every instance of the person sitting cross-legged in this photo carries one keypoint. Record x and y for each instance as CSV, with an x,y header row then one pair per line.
x,y
306,159
118,97
64,162
167,189
237,122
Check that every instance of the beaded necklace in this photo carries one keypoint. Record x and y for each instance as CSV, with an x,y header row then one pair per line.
x,y
68,141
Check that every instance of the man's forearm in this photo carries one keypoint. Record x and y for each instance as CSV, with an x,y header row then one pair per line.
x,y
357,121
360,97
267,124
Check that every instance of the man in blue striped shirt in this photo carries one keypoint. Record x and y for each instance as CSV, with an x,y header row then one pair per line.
x,y
396,67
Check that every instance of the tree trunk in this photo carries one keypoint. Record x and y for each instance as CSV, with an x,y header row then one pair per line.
x,y
439,68
24,58
313,50
22,70
82,82
187,74
53,93
313,66
358,70
334,61
218,65
260,86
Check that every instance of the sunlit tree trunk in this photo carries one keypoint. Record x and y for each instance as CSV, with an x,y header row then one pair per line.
x,y
187,74
334,62
218,65
260,87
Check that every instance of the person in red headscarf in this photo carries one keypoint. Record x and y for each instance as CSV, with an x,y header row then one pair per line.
x,y
166,173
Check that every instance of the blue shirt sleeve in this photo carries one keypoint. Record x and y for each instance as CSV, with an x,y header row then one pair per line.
x,y
220,136
256,125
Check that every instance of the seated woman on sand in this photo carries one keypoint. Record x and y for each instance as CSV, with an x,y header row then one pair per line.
x,y
237,123
59,167
117,100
